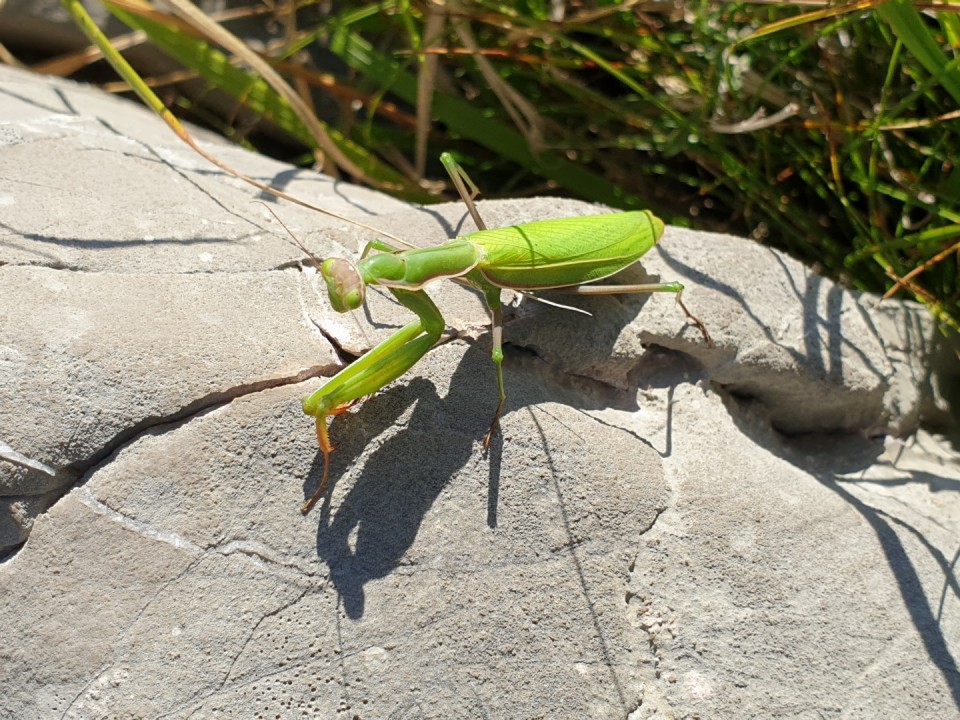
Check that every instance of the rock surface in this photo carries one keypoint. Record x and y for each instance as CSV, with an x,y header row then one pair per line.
x,y
662,529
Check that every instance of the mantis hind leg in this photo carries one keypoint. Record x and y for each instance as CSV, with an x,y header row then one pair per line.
x,y
379,367
671,287
696,321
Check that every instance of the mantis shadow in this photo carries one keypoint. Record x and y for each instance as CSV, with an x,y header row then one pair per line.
x,y
368,534
378,519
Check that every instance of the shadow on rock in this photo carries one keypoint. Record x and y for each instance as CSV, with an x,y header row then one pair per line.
x,y
848,463
927,618
377,521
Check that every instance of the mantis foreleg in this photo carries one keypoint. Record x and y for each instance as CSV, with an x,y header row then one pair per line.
x,y
382,365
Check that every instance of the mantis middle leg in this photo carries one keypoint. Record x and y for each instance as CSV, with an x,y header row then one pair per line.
x,y
492,296
491,293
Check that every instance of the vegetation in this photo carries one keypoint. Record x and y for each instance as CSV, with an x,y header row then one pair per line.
x,y
826,130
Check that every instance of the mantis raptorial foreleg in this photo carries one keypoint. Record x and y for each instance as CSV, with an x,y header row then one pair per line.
x,y
382,365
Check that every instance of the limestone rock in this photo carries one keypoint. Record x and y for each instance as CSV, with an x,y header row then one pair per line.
x,y
661,528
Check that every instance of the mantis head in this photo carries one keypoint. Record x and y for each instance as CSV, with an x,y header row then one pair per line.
x,y
344,284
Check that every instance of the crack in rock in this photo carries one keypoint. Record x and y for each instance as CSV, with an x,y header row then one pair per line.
x,y
177,541
199,405
12,456
74,474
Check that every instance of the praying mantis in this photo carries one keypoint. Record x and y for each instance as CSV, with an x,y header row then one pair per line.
x,y
564,253
567,253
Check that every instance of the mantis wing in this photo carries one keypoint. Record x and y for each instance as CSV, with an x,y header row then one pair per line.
x,y
571,251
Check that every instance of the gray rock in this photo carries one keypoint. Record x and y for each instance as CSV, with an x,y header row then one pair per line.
x,y
661,529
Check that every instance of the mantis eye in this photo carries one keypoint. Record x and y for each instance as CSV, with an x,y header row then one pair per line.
x,y
344,284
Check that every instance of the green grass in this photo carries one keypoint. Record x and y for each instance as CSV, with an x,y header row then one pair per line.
x,y
828,132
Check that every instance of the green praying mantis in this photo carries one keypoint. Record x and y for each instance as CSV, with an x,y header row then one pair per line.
x,y
566,253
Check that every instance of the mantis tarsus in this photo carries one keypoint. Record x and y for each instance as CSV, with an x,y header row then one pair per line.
x,y
565,253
